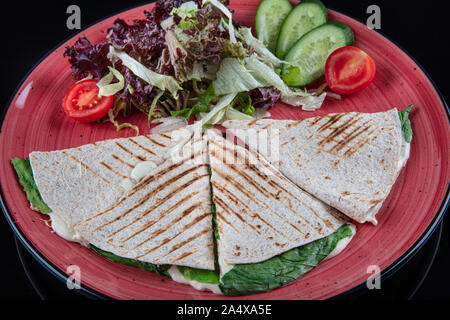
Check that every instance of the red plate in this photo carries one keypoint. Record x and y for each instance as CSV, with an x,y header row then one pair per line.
x,y
35,122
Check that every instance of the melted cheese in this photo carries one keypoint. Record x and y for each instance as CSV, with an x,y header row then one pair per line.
x,y
63,230
176,276
342,244
142,170
404,154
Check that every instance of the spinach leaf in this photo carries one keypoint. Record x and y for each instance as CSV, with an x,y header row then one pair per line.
x,y
282,269
202,105
26,180
406,124
161,269
203,276
214,210
243,103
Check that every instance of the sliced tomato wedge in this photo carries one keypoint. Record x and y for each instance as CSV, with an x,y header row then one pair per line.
x,y
82,102
349,70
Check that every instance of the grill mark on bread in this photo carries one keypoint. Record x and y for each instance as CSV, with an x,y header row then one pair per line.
x,y
142,147
112,170
84,166
333,119
178,246
223,219
183,256
253,122
158,232
155,142
121,161
130,152
252,182
267,193
144,183
187,241
339,130
276,185
294,124
315,121
229,210
157,175
350,137
150,224
165,136
159,203
351,151
267,126
236,200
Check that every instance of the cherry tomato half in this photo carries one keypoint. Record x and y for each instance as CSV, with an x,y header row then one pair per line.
x,y
82,102
349,70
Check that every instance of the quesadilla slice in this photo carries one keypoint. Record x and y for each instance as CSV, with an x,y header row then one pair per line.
x,y
267,227
349,160
79,182
165,219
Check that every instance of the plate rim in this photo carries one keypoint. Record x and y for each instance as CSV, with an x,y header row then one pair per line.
x,y
93,293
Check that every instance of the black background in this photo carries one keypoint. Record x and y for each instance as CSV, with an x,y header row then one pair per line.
x,y
30,29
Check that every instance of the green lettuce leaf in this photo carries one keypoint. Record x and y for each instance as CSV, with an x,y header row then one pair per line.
x,y
160,81
245,34
186,10
159,269
26,180
243,103
282,269
233,77
406,123
202,105
227,13
233,114
106,88
217,112
268,76
203,276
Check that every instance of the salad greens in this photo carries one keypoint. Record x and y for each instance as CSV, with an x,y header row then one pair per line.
x,y
242,103
162,82
159,269
202,105
406,123
182,60
26,180
282,269
106,88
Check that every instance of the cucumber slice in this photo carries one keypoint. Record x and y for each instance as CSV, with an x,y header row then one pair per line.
x,y
307,15
309,54
269,17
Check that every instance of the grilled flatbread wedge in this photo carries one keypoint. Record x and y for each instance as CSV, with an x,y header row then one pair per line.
x,y
164,219
348,160
77,183
260,213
